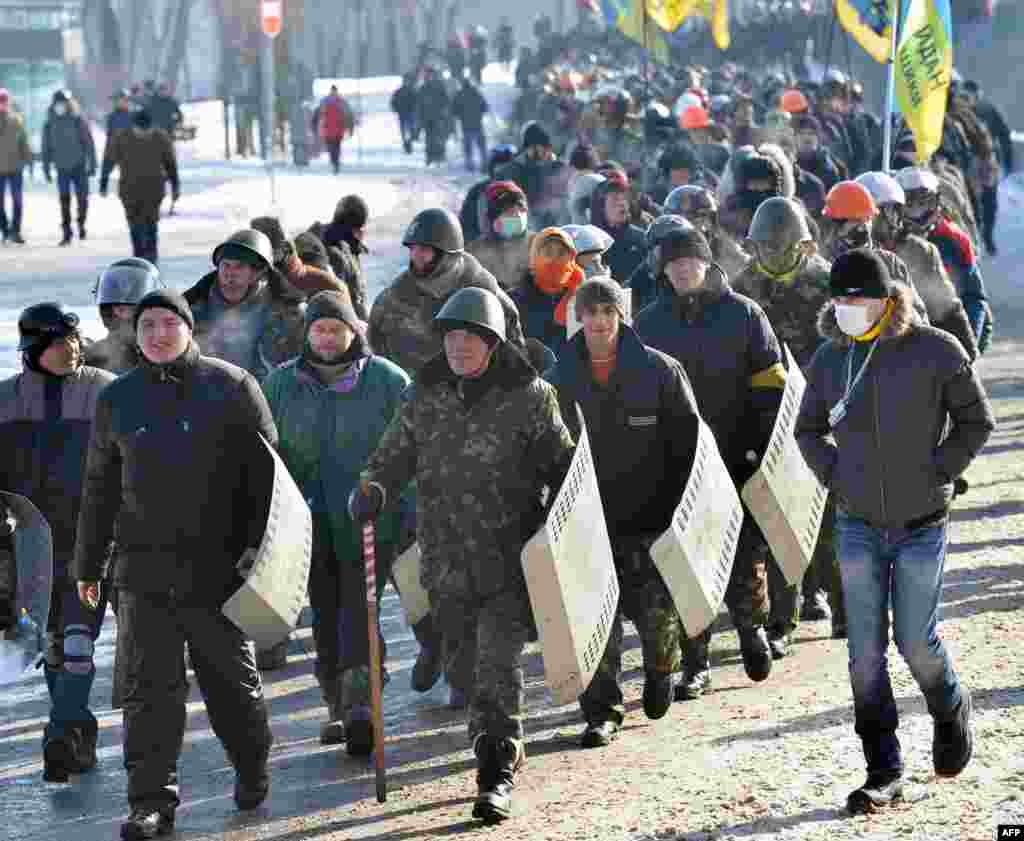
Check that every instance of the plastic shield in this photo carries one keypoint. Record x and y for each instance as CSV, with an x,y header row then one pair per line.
x,y
267,606
33,563
785,498
406,574
570,575
696,553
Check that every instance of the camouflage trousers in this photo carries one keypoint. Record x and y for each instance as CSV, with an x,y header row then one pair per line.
x,y
646,602
484,641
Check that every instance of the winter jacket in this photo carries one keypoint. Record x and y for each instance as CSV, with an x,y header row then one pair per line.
x,y
629,248
402,319
642,429
945,310
792,305
433,110
333,118
810,189
15,151
344,252
995,122
326,434
469,106
165,112
479,469
67,142
471,214
546,184
403,101
279,330
643,287
172,460
822,165
146,158
45,423
913,425
507,259
537,316
731,355
961,264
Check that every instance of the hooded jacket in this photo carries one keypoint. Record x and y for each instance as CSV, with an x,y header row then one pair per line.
x,y
507,259
642,429
15,151
627,252
915,422
402,319
327,432
67,141
170,464
45,424
479,468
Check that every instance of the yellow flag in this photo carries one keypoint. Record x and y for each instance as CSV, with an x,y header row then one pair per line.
x,y
632,23
669,15
924,64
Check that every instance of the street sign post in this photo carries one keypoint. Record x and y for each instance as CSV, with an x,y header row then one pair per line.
x,y
271,21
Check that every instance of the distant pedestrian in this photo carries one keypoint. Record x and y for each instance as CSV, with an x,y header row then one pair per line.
x,y
15,153
68,145
469,106
334,121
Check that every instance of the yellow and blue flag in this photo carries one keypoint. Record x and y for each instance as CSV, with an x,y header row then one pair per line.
x,y
924,65
629,17
669,15
870,22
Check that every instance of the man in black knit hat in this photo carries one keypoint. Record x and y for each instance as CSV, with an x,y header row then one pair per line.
x,y
171,463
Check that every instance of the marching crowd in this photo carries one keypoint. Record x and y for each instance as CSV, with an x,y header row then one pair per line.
x,y
444,411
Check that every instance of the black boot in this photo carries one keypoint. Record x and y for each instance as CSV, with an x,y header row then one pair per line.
x,y
58,760
697,668
659,692
251,787
427,669
882,788
953,740
778,642
83,212
757,655
135,232
497,762
145,822
84,747
65,217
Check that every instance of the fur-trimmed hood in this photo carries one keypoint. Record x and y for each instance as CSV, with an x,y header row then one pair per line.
x,y
903,319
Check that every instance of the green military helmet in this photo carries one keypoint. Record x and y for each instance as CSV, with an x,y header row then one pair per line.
x,y
691,199
474,306
779,221
245,245
436,227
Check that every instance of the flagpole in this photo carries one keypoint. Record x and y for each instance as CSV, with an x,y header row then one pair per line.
x,y
890,92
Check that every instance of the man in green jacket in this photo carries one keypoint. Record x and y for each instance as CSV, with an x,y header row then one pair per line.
x,y
332,405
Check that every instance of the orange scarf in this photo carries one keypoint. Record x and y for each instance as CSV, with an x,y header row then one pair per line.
x,y
554,276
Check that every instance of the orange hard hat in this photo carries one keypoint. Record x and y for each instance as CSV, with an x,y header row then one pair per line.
x,y
850,200
694,117
793,101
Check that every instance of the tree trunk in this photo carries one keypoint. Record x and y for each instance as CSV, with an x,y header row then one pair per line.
x,y
176,34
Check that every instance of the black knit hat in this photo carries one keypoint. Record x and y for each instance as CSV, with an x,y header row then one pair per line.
x,y
330,304
166,299
599,290
860,273
535,135
684,243
584,157
312,251
352,211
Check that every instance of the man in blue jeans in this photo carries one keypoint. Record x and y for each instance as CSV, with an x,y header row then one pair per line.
x,y
892,416
15,154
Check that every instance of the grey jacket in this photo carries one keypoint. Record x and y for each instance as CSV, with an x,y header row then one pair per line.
x,y
916,420
67,142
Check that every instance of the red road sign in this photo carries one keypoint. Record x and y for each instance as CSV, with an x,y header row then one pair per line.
x,y
270,17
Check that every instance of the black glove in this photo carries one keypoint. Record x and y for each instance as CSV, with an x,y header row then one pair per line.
x,y
365,503
8,617
960,486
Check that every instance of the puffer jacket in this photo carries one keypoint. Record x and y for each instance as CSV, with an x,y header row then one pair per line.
x,y
283,328
45,423
172,462
402,318
479,467
67,141
642,429
916,420
326,435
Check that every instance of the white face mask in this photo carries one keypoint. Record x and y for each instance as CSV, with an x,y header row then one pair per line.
x,y
853,319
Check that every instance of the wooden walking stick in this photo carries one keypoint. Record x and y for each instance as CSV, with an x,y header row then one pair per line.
x,y
370,555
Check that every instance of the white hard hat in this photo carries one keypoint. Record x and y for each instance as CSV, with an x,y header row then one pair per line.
x,y
883,187
917,178
589,239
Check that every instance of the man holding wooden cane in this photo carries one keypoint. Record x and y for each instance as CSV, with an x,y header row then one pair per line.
x,y
482,435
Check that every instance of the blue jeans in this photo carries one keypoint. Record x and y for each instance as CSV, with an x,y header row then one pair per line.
x,y
902,569
14,181
474,138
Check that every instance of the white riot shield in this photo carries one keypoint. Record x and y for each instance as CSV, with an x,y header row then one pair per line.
x,y
406,573
570,575
785,498
696,553
33,568
267,606
573,324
